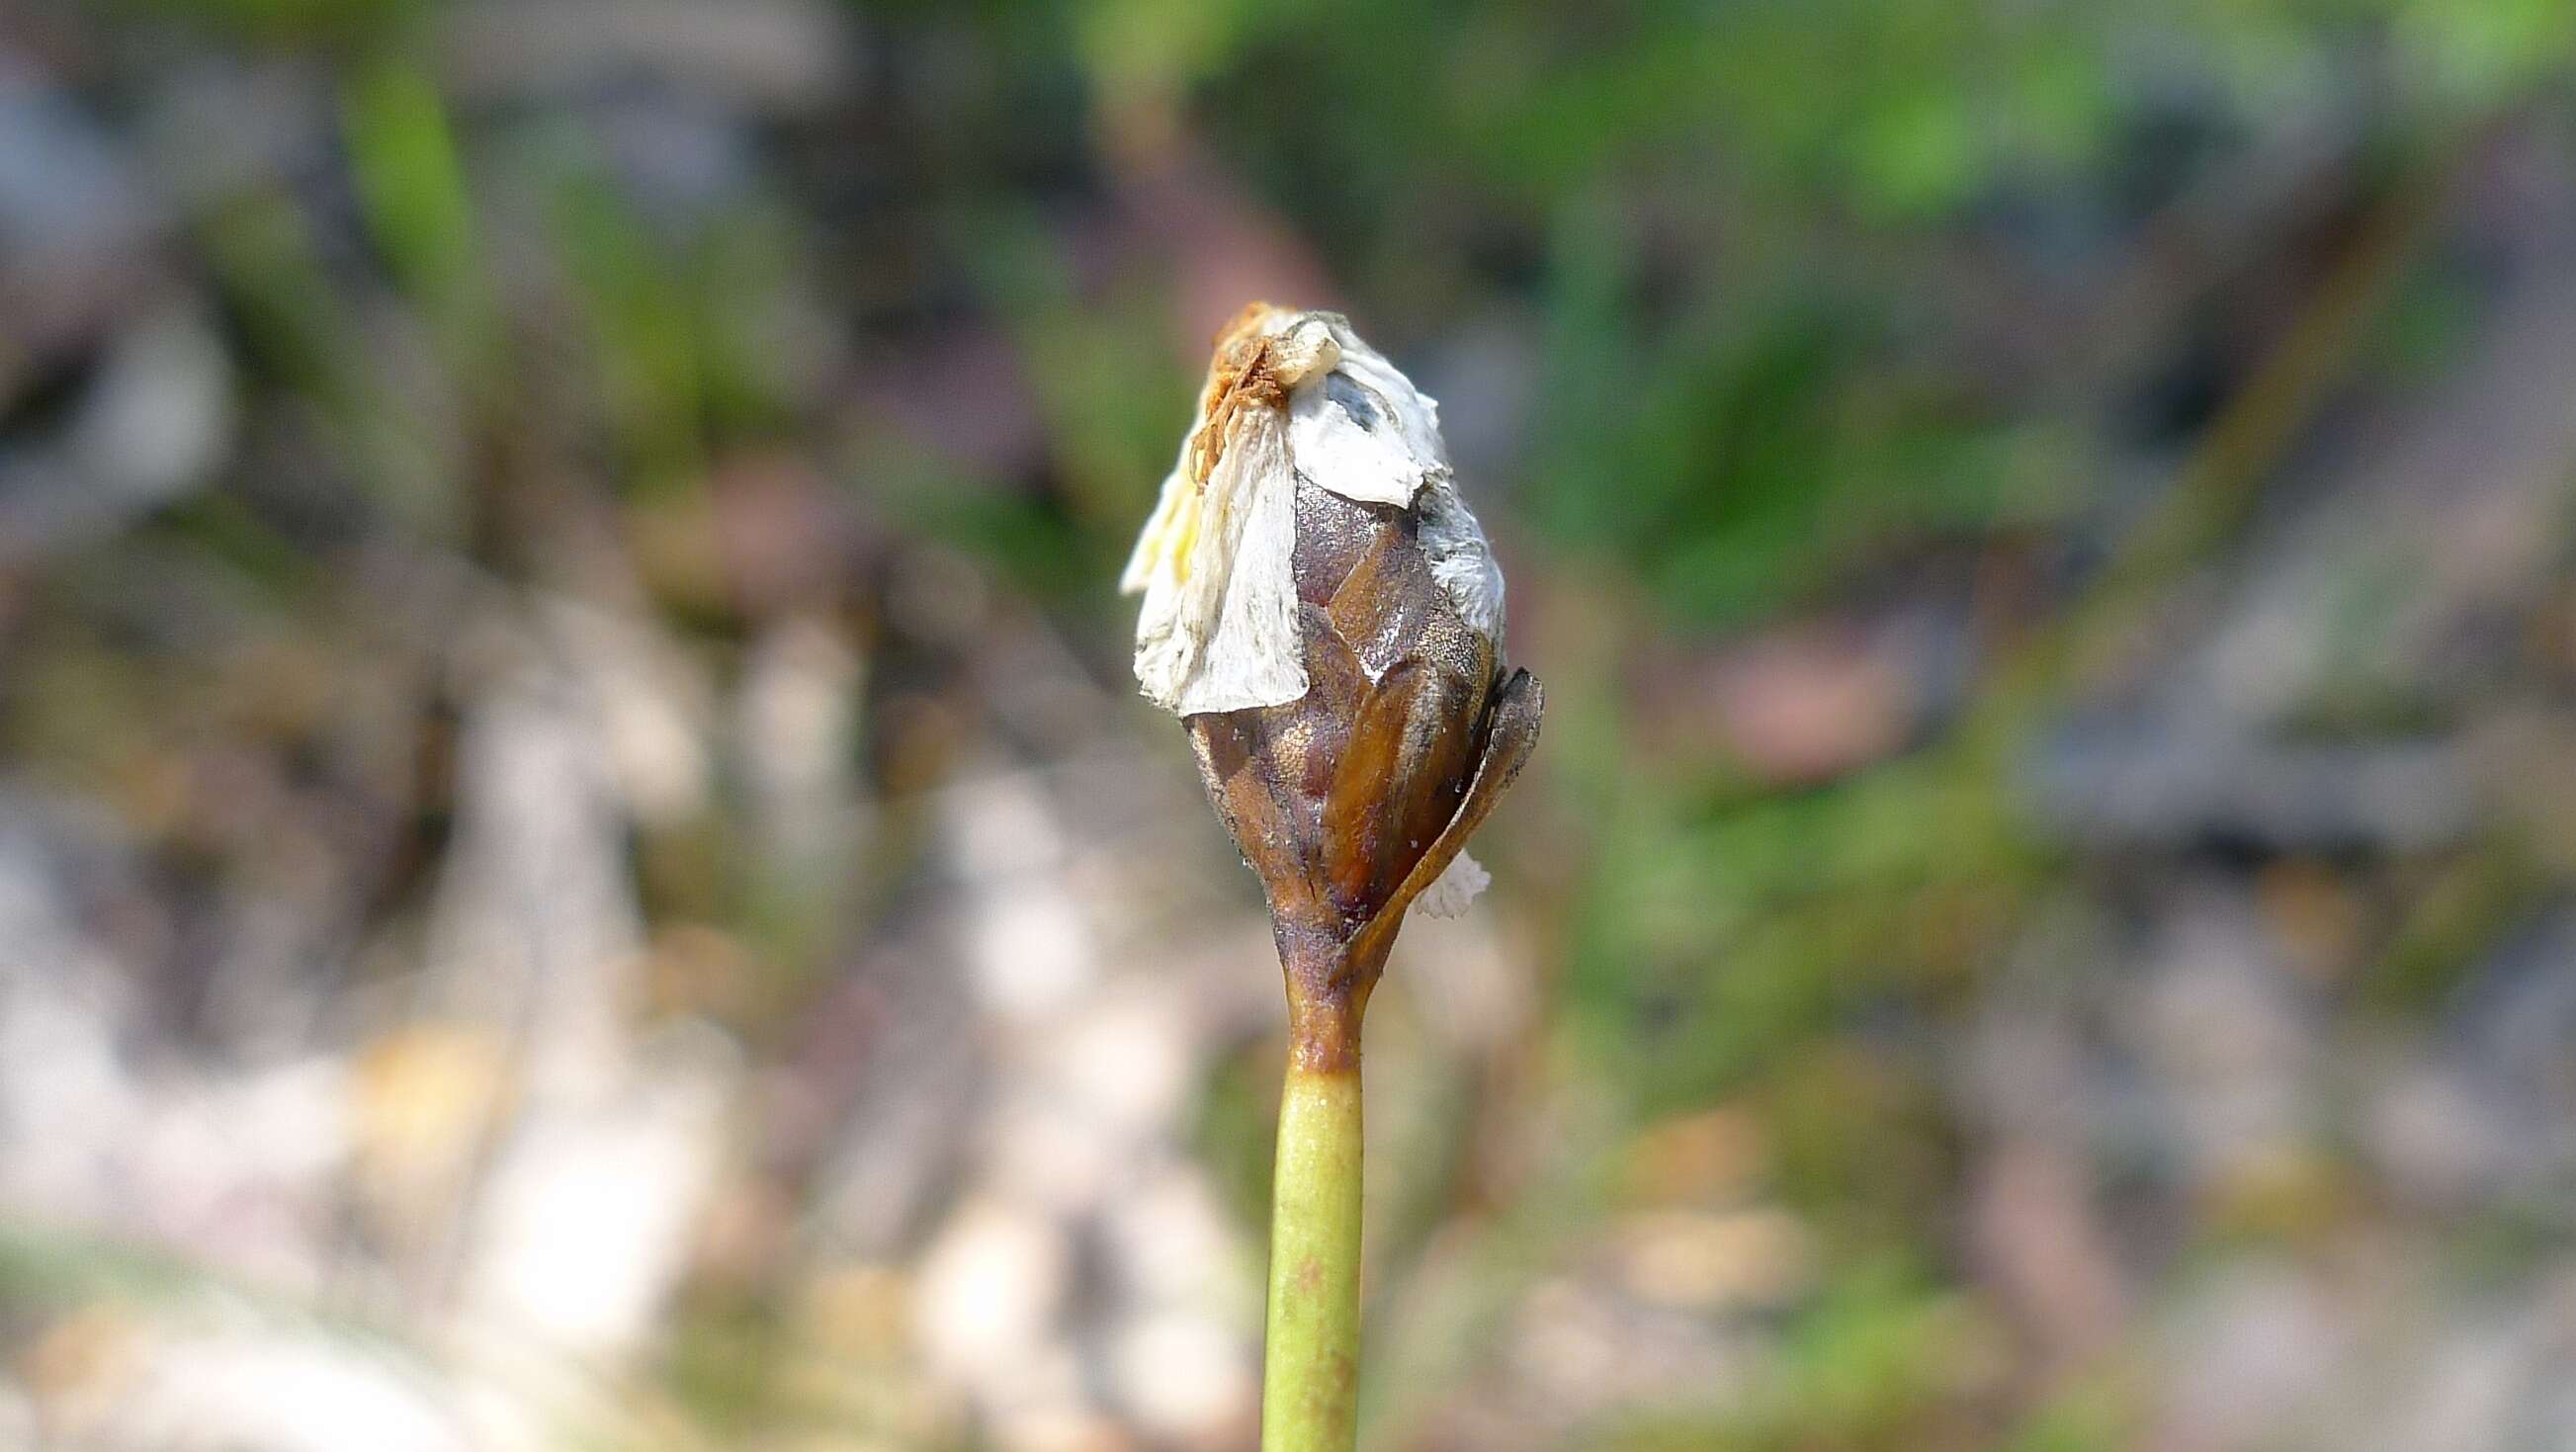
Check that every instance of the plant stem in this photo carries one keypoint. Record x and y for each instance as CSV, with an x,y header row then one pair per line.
x,y
1310,1376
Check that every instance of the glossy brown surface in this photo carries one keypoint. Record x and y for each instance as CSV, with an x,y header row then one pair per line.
x,y
1349,801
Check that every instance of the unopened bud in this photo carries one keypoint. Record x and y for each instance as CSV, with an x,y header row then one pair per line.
x,y
1326,617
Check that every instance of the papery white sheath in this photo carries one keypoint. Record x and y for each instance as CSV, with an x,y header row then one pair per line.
x,y
1216,561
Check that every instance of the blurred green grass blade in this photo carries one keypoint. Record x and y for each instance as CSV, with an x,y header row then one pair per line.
x,y
410,181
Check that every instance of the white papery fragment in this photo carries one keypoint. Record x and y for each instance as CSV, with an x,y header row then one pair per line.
x,y
1462,563
1361,429
1217,565
1216,561
1455,888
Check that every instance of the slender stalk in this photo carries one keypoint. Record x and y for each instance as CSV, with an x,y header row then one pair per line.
x,y
1310,1377
1349,787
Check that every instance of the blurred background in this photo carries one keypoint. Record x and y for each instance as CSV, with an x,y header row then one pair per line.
x,y
580,867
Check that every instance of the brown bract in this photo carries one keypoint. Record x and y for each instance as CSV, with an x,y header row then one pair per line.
x,y
1351,800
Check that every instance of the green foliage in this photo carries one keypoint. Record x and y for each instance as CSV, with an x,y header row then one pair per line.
x,y
1884,1360
403,157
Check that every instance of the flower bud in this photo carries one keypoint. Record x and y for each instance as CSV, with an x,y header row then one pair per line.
x,y
1325,616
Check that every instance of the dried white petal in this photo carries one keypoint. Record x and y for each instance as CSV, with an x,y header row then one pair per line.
x,y
1457,885
1216,561
1218,631
1361,429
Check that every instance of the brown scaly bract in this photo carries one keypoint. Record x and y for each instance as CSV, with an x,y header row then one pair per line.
x,y
1351,800
1324,614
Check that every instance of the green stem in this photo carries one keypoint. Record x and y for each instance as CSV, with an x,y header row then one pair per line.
x,y
1310,1377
